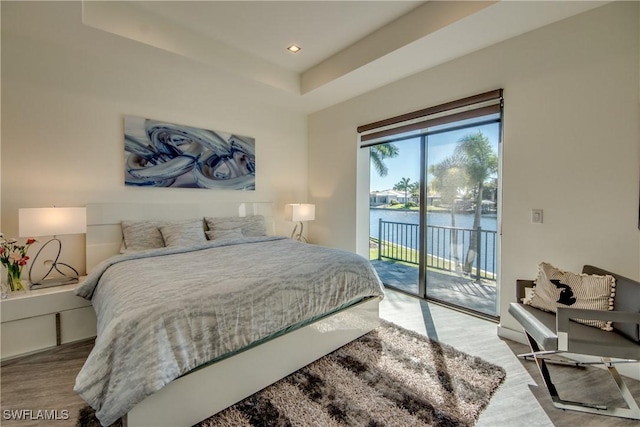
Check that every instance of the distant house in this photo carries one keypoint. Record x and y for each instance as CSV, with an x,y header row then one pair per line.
x,y
386,196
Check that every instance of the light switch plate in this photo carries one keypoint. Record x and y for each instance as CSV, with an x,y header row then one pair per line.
x,y
536,216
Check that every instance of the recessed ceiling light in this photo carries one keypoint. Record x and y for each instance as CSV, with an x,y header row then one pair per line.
x,y
294,48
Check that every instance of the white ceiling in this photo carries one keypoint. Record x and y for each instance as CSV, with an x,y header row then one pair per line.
x,y
266,28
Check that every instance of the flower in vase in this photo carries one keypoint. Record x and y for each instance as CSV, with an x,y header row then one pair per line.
x,y
13,257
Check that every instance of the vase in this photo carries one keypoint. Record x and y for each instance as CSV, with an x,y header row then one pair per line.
x,y
14,282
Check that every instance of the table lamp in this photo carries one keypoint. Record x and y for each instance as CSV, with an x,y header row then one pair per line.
x,y
299,212
52,222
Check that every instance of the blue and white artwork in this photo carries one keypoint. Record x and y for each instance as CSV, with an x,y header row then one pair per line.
x,y
161,154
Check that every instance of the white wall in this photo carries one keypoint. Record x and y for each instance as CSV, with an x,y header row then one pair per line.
x,y
571,145
65,90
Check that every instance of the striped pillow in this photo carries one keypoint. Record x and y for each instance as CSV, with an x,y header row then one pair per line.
x,y
142,235
232,234
556,288
251,226
183,233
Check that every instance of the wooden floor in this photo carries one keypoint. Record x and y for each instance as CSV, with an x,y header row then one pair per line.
x,y
45,380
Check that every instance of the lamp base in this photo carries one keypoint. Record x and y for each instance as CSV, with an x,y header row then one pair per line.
x,y
66,279
49,283
297,235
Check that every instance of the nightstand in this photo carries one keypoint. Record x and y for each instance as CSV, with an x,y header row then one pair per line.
x,y
36,320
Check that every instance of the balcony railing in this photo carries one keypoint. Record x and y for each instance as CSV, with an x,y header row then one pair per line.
x,y
448,248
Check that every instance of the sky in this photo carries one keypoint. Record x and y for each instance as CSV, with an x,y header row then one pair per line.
x,y
440,146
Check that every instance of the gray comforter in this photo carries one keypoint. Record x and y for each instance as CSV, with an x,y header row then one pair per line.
x,y
163,312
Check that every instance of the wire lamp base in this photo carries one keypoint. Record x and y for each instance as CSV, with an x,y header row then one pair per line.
x,y
49,283
297,235
46,281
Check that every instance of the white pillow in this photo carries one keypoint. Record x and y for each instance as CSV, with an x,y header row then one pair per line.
x,y
556,288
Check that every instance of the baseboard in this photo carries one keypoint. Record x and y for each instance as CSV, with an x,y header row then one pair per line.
x,y
630,370
510,334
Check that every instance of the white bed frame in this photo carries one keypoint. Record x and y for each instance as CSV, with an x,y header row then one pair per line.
x,y
204,392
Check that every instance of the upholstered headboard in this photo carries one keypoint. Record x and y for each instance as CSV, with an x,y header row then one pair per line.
x,y
104,233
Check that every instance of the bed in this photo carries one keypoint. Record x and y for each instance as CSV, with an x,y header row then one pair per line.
x,y
186,330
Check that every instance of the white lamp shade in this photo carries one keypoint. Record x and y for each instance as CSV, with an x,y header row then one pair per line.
x,y
300,212
51,221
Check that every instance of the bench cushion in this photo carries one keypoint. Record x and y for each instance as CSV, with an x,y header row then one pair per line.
x,y
627,299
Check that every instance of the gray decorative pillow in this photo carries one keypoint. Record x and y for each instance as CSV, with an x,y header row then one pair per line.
x,y
235,233
142,235
251,226
556,288
183,234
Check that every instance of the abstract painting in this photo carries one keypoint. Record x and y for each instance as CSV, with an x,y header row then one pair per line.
x,y
162,154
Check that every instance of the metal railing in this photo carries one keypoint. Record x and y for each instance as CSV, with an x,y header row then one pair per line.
x,y
448,248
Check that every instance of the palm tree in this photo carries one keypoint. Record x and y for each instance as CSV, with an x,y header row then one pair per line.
x,y
404,185
448,180
378,153
480,163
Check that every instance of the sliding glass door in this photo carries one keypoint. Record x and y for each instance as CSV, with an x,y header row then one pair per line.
x,y
460,217
434,210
